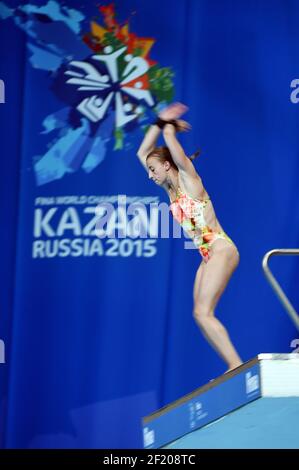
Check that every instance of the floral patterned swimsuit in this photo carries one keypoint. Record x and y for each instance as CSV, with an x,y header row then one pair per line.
x,y
189,213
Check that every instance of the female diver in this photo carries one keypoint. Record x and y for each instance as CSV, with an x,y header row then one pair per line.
x,y
191,206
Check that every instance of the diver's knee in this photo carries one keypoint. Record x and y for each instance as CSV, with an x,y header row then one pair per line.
x,y
201,314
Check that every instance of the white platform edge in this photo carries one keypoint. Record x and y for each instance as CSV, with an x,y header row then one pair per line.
x,y
279,375
278,356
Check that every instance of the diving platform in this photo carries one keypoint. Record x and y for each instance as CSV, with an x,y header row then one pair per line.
x,y
255,406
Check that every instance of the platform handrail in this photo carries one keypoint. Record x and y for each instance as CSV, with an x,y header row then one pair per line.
x,y
274,283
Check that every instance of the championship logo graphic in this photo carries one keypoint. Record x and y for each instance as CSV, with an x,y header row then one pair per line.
x,y
105,77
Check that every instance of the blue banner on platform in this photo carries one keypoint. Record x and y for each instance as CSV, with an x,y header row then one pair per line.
x,y
203,408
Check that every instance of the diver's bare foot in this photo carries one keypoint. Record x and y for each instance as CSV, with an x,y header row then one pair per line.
x,y
234,366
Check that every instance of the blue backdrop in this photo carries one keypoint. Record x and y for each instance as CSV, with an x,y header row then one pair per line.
x,y
99,332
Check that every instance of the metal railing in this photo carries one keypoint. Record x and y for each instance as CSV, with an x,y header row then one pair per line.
x,y
276,286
